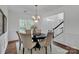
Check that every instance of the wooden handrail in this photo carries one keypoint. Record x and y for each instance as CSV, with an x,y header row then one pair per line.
x,y
58,25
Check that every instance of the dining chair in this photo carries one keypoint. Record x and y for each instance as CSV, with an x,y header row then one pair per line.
x,y
34,31
38,31
20,41
47,41
27,41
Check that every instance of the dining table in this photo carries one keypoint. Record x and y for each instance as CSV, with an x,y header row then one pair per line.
x,y
37,38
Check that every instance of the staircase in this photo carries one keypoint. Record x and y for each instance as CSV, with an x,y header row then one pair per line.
x,y
60,47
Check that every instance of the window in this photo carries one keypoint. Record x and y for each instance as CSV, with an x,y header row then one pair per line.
x,y
5,23
29,24
1,23
25,24
22,25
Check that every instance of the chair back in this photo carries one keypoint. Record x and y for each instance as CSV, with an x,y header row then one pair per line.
x,y
28,32
49,38
34,31
38,31
18,36
49,35
27,39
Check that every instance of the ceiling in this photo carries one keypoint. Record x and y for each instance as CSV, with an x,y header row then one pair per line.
x,y
29,10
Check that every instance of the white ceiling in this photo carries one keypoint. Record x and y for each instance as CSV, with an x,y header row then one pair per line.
x,y
30,9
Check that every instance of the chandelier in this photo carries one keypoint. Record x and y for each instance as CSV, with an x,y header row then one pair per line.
x,y
36,18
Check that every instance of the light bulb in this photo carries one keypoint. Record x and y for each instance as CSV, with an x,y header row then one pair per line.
x,y
38,17
33,17
36,21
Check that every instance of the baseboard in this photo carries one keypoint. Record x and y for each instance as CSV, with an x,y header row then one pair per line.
x,y
12,41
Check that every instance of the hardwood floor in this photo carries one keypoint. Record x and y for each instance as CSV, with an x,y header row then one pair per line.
x,y
11,48
70,49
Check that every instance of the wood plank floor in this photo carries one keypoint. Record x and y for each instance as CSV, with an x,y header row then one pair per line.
x,y
11,48
70,49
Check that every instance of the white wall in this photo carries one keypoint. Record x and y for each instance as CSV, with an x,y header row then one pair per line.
x,y
71,19
13,25
4,37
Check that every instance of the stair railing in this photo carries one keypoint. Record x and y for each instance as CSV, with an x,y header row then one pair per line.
x,y
59,28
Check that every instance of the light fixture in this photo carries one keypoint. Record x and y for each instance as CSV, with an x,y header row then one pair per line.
x,y
36,17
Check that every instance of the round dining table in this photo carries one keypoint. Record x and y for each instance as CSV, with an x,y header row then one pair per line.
x,y
37,38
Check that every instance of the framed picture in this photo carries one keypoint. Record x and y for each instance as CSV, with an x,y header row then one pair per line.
x,y
3,22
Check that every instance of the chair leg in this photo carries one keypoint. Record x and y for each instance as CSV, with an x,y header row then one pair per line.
x,y
46,50
23,50
50,48
39,48
19,46
31,51
35,48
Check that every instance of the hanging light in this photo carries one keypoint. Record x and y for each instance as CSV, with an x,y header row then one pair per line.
x,y
36,17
